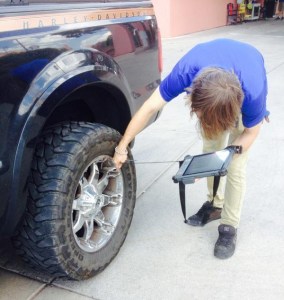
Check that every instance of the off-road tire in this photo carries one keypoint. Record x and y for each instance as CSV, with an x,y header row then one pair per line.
x,y
46,240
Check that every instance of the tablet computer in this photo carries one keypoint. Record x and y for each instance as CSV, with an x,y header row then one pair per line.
x,y
204,165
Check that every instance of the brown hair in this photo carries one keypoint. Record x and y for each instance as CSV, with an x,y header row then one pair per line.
x,y
217,96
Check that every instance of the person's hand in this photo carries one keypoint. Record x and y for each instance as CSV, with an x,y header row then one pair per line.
x,y
120,157
139,121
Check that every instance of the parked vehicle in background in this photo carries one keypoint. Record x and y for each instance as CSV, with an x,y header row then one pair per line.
x,y
72,75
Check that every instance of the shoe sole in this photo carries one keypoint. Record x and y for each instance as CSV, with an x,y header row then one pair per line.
x,y
223,256
201,224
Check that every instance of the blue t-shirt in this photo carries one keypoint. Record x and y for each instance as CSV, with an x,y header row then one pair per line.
x,y
246,62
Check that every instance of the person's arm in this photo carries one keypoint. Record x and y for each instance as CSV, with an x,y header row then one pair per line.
x,y
138,122
248,136
174,84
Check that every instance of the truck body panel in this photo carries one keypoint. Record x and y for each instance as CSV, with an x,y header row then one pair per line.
x,y
86,62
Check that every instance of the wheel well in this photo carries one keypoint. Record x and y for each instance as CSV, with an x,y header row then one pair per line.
x,y
98,104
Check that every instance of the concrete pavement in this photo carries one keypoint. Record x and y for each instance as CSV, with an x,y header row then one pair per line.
x,y
162,258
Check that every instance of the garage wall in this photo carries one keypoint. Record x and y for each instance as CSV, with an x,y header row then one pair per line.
x,y
180,17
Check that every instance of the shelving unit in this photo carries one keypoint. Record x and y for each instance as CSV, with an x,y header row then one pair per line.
x,y
253,13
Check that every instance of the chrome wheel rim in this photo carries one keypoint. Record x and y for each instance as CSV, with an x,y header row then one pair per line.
x,y
97,204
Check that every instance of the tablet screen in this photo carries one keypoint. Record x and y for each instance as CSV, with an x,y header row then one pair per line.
x,y
207,162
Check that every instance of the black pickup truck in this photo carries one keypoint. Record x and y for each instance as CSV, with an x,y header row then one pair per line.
x,y
72,74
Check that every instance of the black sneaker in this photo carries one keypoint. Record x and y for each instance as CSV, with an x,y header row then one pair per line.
x,y
206,214
226,243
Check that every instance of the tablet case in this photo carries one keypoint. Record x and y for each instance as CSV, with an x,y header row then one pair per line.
x,y
205,165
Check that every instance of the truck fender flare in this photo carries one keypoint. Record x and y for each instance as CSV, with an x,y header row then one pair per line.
x,y
56,81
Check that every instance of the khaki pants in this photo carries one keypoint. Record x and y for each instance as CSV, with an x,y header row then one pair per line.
x,y
232,187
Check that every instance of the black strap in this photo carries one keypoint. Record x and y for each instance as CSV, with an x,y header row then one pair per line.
x,y
215,187
182,192
182,195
